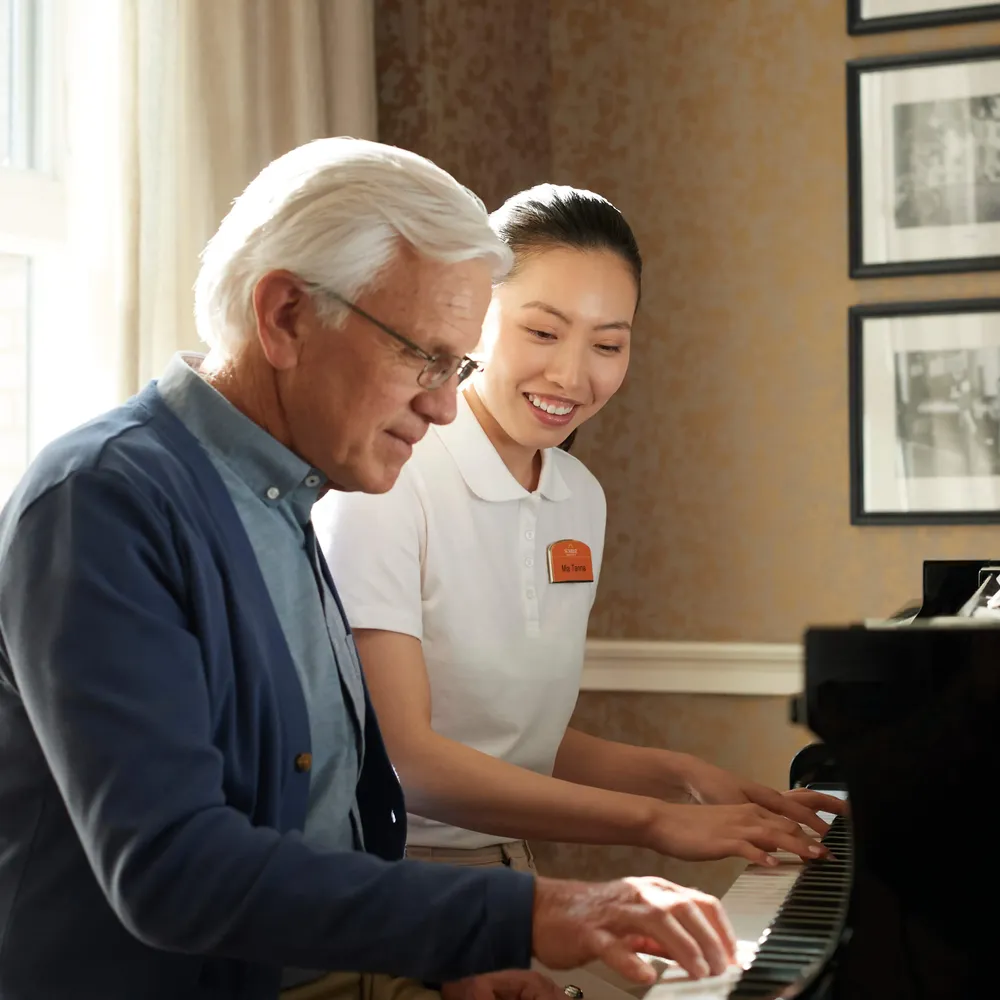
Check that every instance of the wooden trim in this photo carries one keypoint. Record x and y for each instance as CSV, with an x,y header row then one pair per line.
x,y
748,668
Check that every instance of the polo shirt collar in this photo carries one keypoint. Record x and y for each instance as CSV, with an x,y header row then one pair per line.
x,y
483,469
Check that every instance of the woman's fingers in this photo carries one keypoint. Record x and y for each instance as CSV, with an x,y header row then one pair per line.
x,y
818,801
773,832
798,808
746,849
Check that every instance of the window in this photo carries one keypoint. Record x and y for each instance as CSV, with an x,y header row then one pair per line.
x,y
14,297
31,209
18,57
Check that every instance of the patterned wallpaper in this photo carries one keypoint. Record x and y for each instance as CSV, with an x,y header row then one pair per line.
x,y
718,127
467,84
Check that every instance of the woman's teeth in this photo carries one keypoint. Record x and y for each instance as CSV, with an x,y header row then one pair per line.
x,y
556,409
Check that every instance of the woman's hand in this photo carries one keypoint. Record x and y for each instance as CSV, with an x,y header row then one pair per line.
x,y
713,786
710,833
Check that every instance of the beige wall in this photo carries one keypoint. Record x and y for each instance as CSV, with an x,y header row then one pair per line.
x,y
468,85
718,127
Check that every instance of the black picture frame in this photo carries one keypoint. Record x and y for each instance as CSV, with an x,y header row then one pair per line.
x,y
858,409
960,14
857,69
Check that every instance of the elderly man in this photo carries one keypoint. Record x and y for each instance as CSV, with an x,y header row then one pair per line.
x,y
195,801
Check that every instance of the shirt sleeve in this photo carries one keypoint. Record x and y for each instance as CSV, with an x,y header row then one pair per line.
x,y
374,545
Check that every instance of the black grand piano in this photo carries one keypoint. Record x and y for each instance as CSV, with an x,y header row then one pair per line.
x,y
908,712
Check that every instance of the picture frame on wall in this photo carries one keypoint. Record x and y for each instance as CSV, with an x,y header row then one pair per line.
x,y
924,399
870,16
923,138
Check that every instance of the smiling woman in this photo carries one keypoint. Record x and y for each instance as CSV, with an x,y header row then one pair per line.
x,y
557,342
469,584
578,235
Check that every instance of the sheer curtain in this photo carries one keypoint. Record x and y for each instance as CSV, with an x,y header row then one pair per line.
x,y
171,107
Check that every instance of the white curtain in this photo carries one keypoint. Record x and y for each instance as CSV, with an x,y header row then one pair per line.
x,y
171,107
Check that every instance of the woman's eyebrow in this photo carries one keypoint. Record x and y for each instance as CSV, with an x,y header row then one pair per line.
x,y
545,307
618,324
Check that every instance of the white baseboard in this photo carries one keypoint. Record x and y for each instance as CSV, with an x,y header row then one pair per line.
x,y
754,668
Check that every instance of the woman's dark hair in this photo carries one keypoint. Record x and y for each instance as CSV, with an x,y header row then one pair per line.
x,y
550,216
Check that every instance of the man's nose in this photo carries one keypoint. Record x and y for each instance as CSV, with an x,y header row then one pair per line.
x,y
440,405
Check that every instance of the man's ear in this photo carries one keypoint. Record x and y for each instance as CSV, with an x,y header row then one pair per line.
x,y
283,310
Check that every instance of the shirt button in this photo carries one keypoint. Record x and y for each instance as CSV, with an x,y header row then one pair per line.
x,y
529,535
273,493
529,562
303,762
530,593
312,480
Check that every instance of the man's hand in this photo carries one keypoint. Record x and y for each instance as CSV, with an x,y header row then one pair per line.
x,y
711,785
577,922
514,984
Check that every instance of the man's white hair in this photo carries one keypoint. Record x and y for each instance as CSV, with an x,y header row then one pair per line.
x,y
333,212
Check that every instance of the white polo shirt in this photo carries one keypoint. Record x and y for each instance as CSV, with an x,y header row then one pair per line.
x,y
455,555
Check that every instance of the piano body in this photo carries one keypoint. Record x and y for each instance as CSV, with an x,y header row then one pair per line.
x,y
908,712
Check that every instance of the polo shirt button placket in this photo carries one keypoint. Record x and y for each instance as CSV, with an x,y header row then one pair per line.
x,y
529,524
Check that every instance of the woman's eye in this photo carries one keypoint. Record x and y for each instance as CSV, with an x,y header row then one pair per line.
x,y
610,348
542,334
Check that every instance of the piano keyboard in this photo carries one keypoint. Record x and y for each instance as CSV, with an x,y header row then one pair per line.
x,y
785,919
807,924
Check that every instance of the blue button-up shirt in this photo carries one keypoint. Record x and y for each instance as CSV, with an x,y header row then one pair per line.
x,y
273,491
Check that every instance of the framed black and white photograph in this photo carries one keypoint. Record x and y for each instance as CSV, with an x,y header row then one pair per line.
x,y
924,163
868,16
924,388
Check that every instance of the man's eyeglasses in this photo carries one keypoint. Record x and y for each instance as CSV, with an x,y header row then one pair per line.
x,y
438,368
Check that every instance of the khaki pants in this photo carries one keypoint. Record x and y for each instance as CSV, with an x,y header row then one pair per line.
x,y
357,986
516,855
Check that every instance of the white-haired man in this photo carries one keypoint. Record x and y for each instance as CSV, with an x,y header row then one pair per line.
x,y
194,797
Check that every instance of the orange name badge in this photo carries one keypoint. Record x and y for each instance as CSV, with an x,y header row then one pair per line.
x,y
570,562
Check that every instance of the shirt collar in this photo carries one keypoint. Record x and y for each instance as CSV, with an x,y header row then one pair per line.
x,y
483,469
275,474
